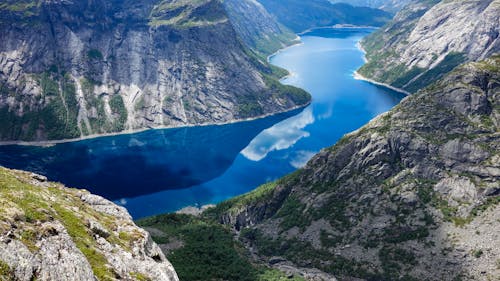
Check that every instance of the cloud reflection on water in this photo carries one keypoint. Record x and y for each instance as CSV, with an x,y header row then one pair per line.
x,y
280,136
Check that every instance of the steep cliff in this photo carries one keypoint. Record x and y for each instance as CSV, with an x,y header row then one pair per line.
x,y
413,195
77,68
257,28
301,15
50,232
428,39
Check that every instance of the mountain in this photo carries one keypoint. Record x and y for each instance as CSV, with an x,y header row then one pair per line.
x,y
413,195
301,15
258,29
386,5
77,68
51,232
428,39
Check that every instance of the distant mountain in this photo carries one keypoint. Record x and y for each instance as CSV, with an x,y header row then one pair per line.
x,y
429,38
301,15
387,5
78,68
50,232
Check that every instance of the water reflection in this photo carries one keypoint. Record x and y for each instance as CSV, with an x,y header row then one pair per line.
x,y
148,169
280,136
137,164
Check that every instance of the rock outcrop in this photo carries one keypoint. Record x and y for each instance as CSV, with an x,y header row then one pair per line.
x,y
50,232
413,195
76,68
427,39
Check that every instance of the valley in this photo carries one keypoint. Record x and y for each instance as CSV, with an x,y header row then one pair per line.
x,y
250,140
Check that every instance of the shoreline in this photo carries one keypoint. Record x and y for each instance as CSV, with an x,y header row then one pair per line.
x,y
49,143
296,42
337,26
360,77
356,75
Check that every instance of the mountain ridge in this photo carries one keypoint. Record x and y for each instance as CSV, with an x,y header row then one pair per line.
x,y
427,39
413,195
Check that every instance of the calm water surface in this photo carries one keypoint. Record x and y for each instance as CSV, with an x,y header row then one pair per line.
x,y
160,171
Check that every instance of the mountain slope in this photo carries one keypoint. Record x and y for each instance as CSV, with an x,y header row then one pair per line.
x,y
387,5
427,40
301,15
257,28
413,195
77,68
50,232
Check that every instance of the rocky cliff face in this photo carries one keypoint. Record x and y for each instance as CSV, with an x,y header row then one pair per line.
x,y
77,68
257,28
50,232
411,196
429,38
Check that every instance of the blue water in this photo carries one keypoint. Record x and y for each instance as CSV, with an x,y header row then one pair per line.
x,y
160,171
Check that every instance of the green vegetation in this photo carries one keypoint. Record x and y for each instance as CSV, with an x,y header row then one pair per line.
x,y
304,254
231,206
118,108
101,122
292,214
477,253
139,276
26,9
330,240
84,242
276,275
300,15
209,251
451,61
394,261
94,54
6,273
297,95
57,118
187,14
26,206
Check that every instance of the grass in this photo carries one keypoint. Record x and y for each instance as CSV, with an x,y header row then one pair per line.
x,y
139,276
6,273
233,205
35,205
84,242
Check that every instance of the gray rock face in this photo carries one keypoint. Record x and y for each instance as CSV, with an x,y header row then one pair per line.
x,y
78,68
56,233
429,38
257,28
411,194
